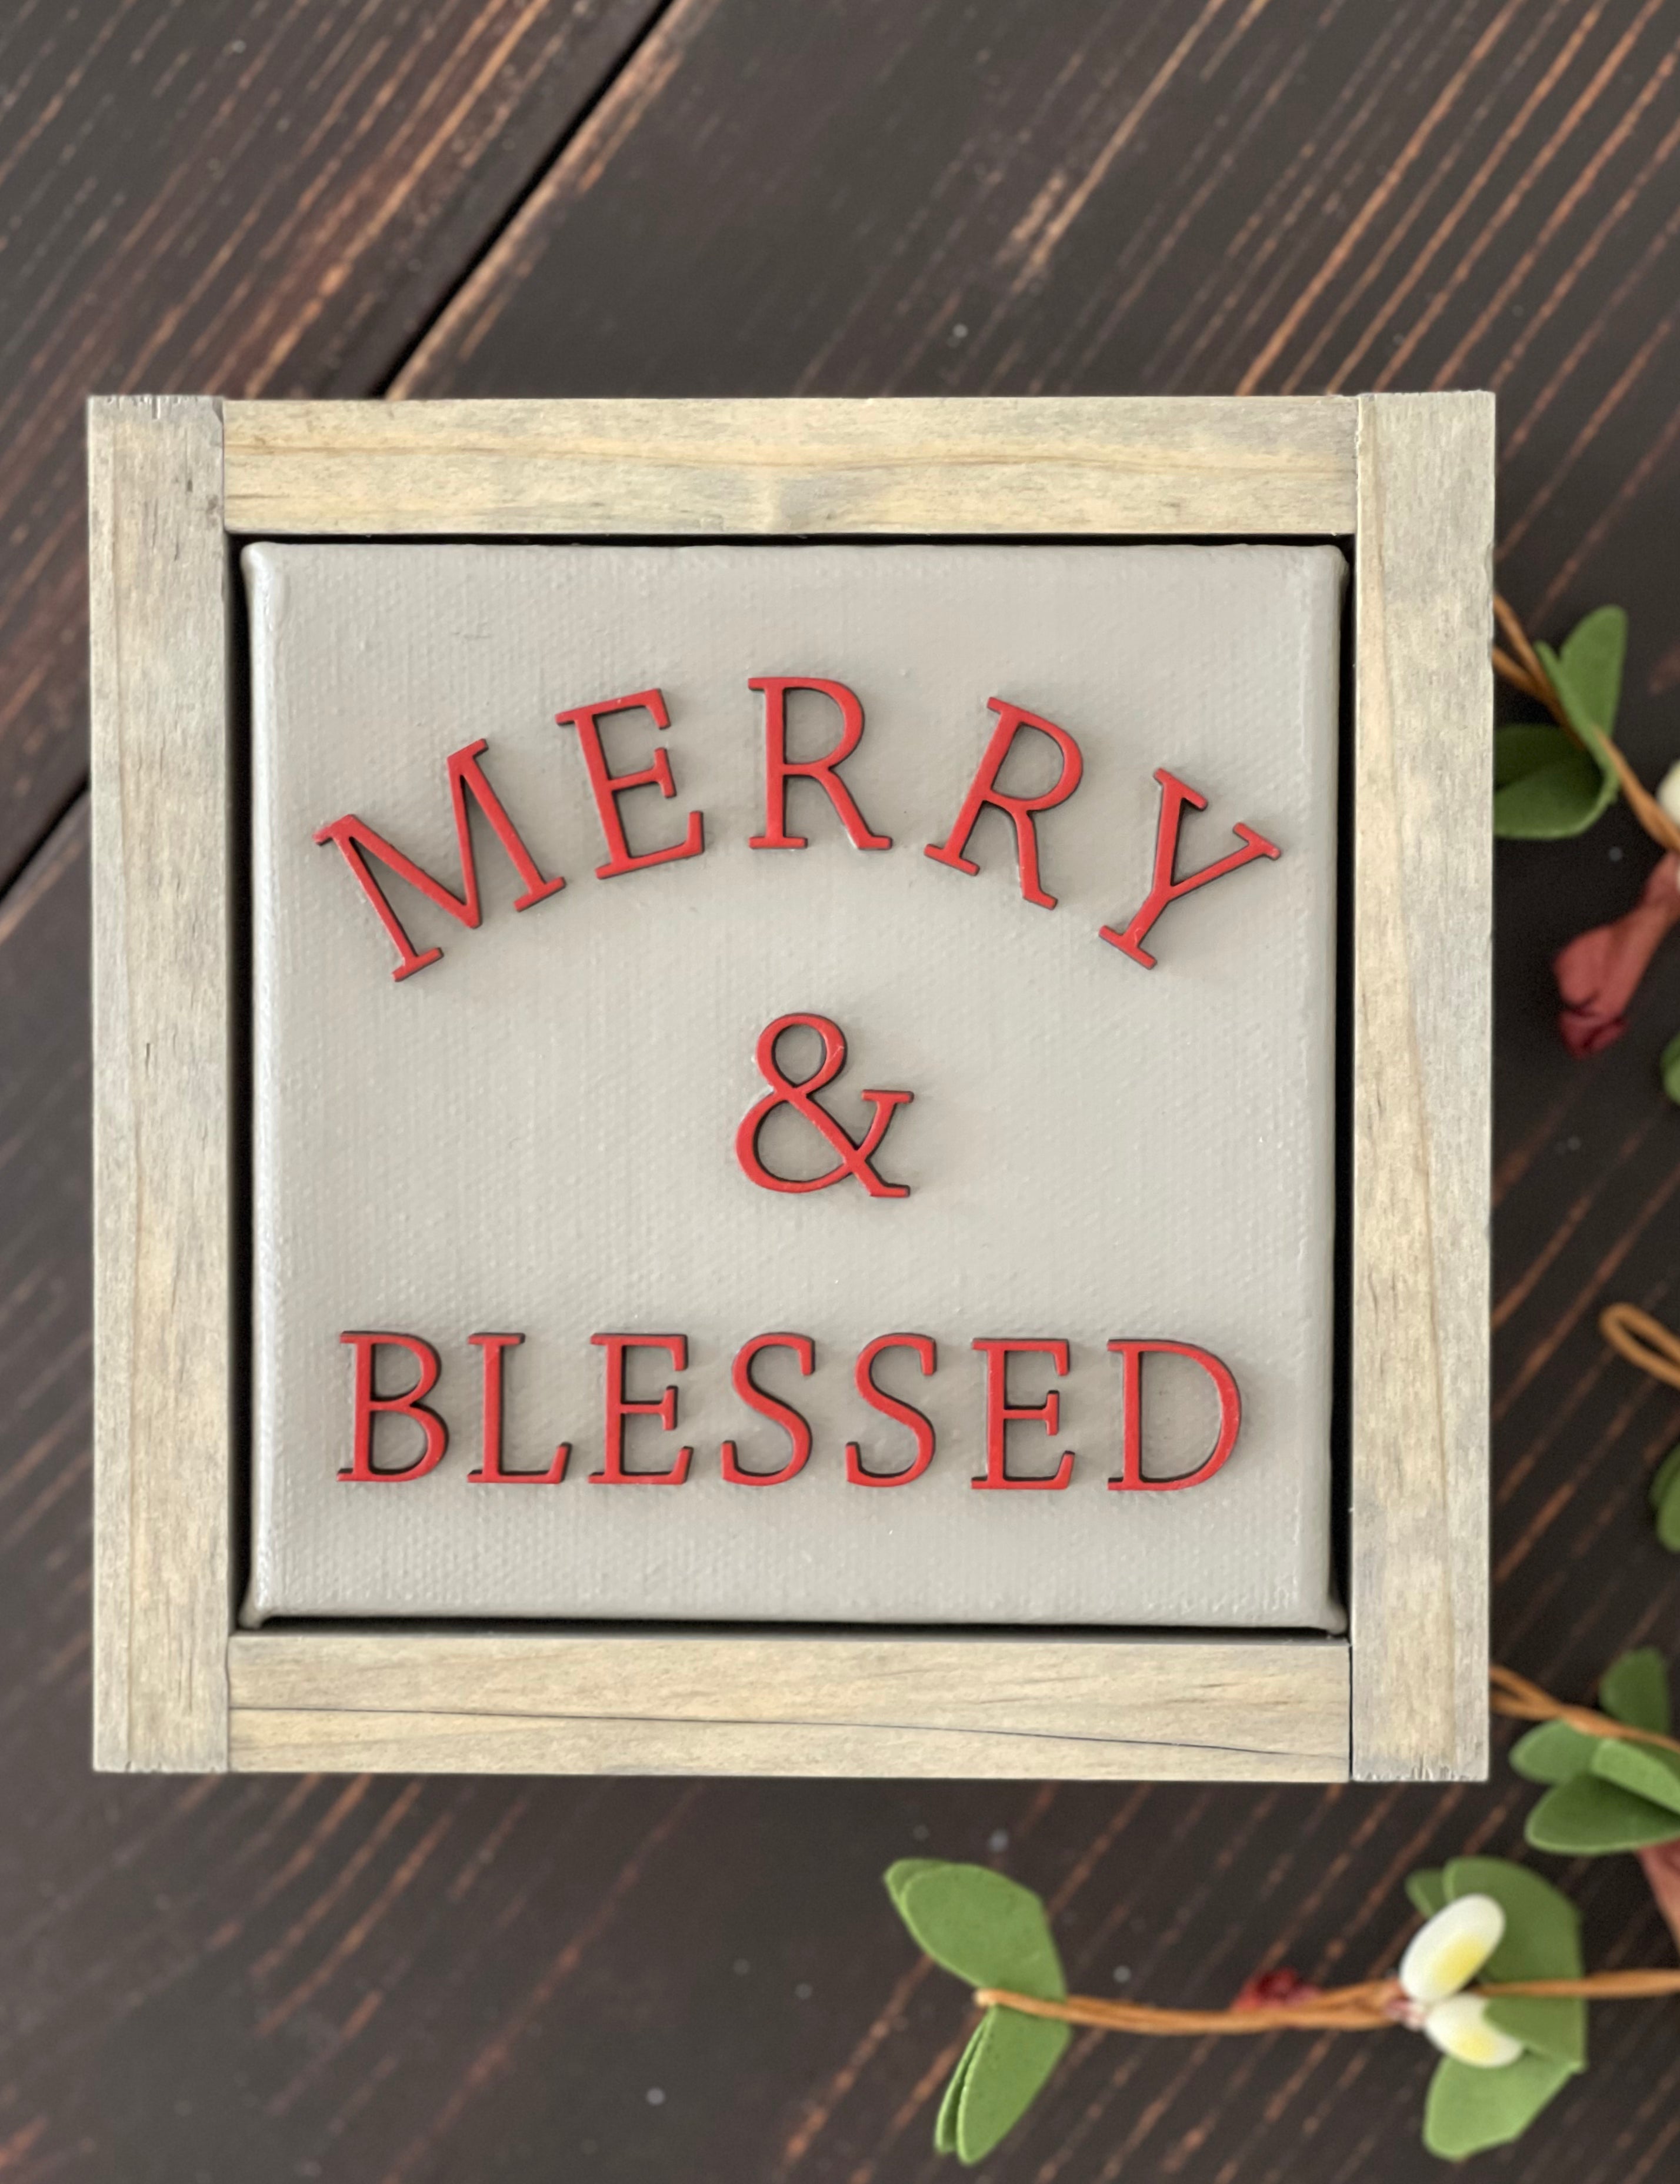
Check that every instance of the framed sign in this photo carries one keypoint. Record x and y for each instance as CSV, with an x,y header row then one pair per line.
x,y
792,1087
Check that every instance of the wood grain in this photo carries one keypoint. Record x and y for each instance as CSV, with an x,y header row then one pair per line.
x,y
165,1304
206,198
623,1702
750,469
1421,1089
355,1978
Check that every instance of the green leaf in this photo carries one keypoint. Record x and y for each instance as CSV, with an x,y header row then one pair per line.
x,y
1592,657
1669,1064
1012,2057
1553,1752
987,1930
945,2123
1468,2109
1668,1517
1549,2025
1588,1818
1642,1770
1661,1479
1542,1940
898,1876
1580,714
1546,786
1635,1689
1428,1889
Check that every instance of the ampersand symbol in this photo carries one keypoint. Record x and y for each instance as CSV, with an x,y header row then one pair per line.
x,y
800,1094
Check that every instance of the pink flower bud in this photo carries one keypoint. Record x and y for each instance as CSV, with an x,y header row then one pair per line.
x,y
1599,972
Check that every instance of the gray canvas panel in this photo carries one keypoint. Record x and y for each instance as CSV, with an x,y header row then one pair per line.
x,y
537,1132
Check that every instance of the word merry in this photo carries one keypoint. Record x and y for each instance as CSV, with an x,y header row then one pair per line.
x,y
359,842
998,1412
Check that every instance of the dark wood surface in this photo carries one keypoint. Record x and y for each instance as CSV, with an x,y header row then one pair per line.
x,y
383,1980
233,199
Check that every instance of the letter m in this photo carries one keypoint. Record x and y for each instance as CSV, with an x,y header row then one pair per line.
x,y
359,842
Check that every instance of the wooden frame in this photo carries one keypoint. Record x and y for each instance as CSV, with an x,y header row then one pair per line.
x,y
1407,479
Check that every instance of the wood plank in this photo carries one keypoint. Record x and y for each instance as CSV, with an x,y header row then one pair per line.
x,y
1108,465
1423,940
195,200
163,1118
696,1702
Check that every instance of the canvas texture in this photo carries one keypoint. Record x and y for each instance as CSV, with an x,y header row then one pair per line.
x,y
537,1133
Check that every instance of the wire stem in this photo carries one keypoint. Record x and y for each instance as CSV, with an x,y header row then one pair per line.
x,y
1642,1341
1364,2009
1515,1697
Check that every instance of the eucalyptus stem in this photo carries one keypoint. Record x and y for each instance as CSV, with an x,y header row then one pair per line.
x,y
1515,1697
1367,2008
1642,1341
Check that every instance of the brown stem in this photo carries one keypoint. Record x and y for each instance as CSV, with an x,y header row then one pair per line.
x,y
1527,672
1364,2009
1517,638
1515,1697
1642,1341
1520,679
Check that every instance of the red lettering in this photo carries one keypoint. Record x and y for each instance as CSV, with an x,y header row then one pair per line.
x,y
984,789
359,842
1175,795
609,787
1000,1413
800,1094
411,1405
780,769
490,1472
890,1407
792,1424
1131,1479
619,1407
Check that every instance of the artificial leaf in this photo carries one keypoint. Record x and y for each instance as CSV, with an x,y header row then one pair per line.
x,y
1542,1940
1428,1889
1012,2057
1546,787
987,1930
1538,2022
1644,1769
945,2123
1634,1690
1553,1752
1579,713
1662,1479
1589,1818
1592,657
1469,2110
1669,1065
898,1876
1668,1517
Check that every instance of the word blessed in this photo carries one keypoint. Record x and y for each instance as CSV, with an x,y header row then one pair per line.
x,y
998,1412
467,778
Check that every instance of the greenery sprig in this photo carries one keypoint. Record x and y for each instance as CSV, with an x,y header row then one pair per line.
x,y
1556,778
1612,1773
1510,2040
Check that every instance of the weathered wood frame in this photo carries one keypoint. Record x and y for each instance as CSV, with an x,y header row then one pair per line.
x,y
1407,479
